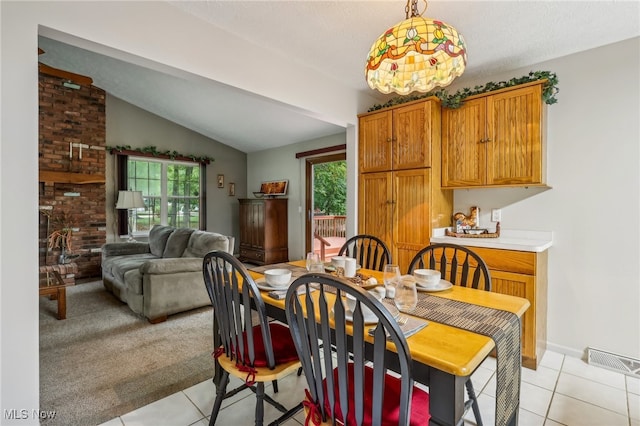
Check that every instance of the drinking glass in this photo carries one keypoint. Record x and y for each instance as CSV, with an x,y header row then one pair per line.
x,y
390,276
313,259
317,267
406,298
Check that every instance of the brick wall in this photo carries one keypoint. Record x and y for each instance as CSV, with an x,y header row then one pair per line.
x,y
70,116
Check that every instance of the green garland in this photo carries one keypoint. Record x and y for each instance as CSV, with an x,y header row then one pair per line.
x,y
549,91
154,151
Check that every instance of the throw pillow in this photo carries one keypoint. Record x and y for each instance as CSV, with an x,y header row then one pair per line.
x,y
158,239
202,242
177,242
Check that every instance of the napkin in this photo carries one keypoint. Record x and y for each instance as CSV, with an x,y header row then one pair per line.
x,y
412,326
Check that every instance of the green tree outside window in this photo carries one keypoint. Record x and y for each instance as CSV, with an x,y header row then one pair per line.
x,y
330,188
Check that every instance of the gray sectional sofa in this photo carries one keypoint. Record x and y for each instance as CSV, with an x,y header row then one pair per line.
x,y
164,276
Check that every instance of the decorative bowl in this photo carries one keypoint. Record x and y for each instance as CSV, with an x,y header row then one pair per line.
x,y
258,194
277,278
427,277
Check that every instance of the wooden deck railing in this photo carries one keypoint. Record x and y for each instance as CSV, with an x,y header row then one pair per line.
x,y
329,231
329,226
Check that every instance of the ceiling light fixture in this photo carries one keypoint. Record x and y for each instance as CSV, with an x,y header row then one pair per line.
x,y
416,54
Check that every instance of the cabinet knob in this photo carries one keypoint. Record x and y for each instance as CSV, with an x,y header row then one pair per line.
x,y
389,139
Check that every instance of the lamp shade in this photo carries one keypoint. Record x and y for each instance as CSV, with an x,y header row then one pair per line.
x,y
417,54
129,200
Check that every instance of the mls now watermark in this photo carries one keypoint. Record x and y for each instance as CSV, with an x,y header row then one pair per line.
x,y
24,414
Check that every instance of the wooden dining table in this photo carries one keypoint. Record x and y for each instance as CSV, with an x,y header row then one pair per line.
x,y
444,356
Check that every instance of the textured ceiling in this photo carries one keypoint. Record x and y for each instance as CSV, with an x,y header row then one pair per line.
x,y
333,37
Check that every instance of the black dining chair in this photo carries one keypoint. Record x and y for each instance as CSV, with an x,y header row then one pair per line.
x,y
246,344
343,386
460,266
457,264
369,251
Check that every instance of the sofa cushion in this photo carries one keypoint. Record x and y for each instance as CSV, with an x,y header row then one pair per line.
x,y
177,242
201,243
170,266
158,237
119,265
109,262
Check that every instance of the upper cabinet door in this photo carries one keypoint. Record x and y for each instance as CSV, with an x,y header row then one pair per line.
x,y
495,140
412,131
398,139
374,143
514,145
463,144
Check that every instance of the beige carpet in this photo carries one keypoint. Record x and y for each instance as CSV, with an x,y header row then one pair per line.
x,y
104,361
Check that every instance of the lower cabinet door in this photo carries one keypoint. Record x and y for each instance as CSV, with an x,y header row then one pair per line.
x,y
523,286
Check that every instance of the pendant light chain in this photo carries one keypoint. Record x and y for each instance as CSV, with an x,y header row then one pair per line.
x,y
412,6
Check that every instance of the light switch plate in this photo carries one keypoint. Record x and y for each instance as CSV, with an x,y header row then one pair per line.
x,y
496,215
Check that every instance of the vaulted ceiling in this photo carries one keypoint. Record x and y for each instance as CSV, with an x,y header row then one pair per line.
x,y
334,37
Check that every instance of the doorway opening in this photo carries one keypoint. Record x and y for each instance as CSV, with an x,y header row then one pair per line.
x,y
326,204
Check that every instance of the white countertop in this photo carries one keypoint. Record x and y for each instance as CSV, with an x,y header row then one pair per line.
x,y
535,241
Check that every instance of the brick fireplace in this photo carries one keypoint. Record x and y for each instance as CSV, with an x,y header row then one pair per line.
x,y
71,163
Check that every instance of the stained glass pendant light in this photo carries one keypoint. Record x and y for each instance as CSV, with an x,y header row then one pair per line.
x,y
416,54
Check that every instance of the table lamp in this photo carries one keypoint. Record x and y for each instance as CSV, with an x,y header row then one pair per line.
x,y
130,200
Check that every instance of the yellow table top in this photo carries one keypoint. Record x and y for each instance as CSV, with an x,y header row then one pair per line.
x,y
444,347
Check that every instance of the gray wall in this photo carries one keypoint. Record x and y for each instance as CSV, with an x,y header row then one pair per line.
x,y
130,125
593,152
281,163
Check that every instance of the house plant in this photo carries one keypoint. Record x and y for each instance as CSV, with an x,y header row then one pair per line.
x,y
62,235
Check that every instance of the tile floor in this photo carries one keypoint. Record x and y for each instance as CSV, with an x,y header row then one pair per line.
x,y
562,391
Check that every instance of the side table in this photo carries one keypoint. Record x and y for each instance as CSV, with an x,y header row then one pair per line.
x,y
51,284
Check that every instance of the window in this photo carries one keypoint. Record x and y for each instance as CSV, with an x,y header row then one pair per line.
x,y
171,192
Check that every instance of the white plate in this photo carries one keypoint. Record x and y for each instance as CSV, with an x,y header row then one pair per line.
x,y
261,283
368,319
348,315
442,285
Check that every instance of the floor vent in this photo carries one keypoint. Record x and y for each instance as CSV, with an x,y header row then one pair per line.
x,y
614,362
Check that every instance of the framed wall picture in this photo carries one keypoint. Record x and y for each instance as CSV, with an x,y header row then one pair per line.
x,y
274,188
220,181
232,189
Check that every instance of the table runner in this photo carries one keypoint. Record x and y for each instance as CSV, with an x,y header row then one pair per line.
x,y
502,326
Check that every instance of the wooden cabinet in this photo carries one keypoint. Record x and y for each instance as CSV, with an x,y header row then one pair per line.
x,y
399,198
495,140
263,231
400,138
523,274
